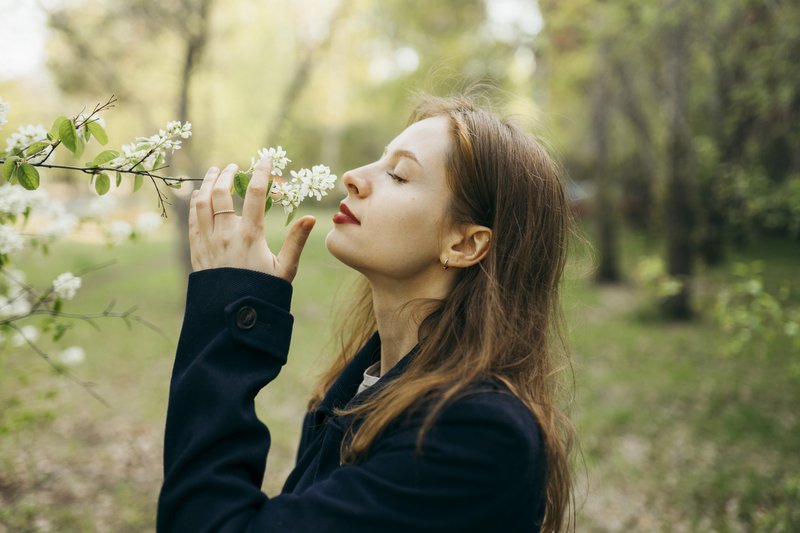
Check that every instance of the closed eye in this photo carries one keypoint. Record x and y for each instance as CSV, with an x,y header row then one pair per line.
x,y
396,178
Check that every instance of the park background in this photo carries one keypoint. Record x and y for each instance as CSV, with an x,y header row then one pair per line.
x,y
676,123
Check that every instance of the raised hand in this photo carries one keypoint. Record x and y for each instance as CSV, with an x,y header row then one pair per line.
x,y
220,238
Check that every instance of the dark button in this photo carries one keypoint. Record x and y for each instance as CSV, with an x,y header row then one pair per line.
x,y
246,318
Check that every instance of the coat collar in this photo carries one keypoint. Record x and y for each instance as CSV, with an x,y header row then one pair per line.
x,y
344,388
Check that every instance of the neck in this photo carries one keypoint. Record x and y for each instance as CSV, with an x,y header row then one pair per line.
x,y
399,309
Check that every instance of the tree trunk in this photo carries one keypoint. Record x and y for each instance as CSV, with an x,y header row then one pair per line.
x,y
680,199
608,269
197,37
300,78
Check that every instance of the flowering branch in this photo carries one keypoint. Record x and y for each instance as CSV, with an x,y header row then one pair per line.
x,y
32,146
50,302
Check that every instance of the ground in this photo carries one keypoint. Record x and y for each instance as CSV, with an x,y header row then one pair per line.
x,y
673,436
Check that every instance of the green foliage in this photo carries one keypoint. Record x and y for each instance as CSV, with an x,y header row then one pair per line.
x,y
103,157
10,166
651,274
240,182
97,131
28,176
68,135
102,183
754,321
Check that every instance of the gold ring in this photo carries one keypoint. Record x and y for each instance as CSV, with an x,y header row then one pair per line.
x,y
224,211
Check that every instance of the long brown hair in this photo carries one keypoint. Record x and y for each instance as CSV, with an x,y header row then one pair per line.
x,y
502,319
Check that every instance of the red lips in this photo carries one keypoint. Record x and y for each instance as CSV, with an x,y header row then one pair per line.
x,y
345,216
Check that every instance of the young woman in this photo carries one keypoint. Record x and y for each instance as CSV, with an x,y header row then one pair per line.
x,y
440,412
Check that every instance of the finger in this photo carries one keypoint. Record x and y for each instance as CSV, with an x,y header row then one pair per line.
x,y
221,199
256,198
203,202
197,243
289,256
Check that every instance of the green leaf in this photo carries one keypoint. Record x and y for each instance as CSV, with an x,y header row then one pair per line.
x,y
36,148
268,203
9,166
80,146
28,176
57,307
60,330
102,184
98,132
137,182
69,136
240,182
104,157
119,178
54,131
159,161
86,133
291,216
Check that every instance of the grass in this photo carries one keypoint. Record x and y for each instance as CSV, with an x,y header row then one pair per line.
x,y
674,436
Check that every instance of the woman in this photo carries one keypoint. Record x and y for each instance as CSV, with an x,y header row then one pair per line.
x,y
439,414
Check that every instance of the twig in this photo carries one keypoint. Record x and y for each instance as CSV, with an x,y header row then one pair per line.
x,y
60,369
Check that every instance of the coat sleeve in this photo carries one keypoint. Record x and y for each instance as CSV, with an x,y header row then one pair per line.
x,y
481,466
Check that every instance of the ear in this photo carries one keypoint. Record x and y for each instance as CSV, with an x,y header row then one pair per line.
x,y
466,245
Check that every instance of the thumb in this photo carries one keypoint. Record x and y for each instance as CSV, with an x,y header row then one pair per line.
x,y
289,256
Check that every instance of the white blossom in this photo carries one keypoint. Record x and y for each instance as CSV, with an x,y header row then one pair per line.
x,y
10,239
278,158
4,107
25,335
147,150
14,200
100,206
147,222
287,194
24,137
16,306
62,225
119,231
66,285
74,355
304,183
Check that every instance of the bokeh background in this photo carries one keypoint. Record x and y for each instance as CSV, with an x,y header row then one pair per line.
x,y
677,125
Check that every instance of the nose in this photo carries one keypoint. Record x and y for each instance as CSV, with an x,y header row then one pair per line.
x,y
356,183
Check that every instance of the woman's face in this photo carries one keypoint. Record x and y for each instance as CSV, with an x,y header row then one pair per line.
x,y
398,205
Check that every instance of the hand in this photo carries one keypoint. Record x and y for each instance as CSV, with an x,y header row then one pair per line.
x,y
227,240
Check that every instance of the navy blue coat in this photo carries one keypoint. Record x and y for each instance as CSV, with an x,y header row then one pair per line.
x,y
481,468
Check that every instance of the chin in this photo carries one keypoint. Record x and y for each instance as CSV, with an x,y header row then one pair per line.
x,y
339,250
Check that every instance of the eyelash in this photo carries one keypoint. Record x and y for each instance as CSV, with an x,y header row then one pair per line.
x,y
396,178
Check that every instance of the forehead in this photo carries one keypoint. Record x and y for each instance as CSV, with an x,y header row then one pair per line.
x,y
428,139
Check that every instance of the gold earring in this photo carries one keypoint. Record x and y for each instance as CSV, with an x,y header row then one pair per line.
x,y
446,260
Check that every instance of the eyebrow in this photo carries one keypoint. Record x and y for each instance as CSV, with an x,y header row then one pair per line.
x,y
404,153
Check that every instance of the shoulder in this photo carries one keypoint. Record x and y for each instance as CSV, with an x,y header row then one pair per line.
x,y
489,409
489,431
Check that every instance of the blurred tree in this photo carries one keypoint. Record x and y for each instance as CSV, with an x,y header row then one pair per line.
x,y
702,101
81,66
680,201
